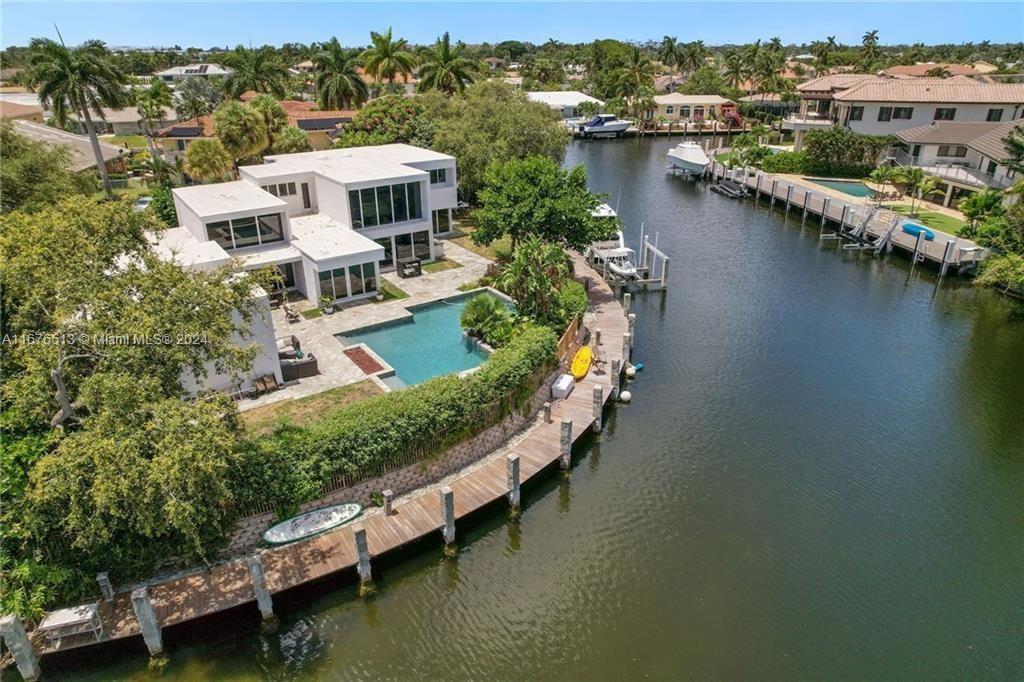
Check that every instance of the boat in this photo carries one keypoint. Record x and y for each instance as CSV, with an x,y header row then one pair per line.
x,y
729,188
689,158
604,125
581,362
613,253
311,523
913,229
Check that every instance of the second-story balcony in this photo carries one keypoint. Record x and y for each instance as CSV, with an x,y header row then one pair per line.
x,y
953,172
807,122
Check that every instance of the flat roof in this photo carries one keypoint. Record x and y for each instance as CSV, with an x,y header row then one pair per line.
x,y
562,98
228,197
322,238
677,98
354,164
79,145
178,244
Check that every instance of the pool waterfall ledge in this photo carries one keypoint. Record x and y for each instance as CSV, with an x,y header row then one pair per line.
x,y
517,453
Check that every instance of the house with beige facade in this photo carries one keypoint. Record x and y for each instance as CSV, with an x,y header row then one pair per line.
x,y
12,111
678,108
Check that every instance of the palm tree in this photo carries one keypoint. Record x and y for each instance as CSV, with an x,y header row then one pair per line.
x,y
918,185
151,102
1014,142
290,140
883,175
869,48
255,69
80,80
486,317
670,52
981,205
446,68
195,97
637,72
207,160
273,114
386,58
337,81
736,70
534,277
241,130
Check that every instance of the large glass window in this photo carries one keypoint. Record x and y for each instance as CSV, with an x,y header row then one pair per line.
x,y
384,205
884,113
340,284
270,228
305,195
369,203
326,288
440,175
441,222
288,273
945,114
902,113
220,232
369,277
421,245
415,207
245,232
357,279
401,207
353,205
403,246
388,259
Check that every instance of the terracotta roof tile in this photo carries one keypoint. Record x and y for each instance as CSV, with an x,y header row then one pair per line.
x,y
958,90
985,138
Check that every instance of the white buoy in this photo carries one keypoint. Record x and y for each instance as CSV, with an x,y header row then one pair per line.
x,y
625,396
630,371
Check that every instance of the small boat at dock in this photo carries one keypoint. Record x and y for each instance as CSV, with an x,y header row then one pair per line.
x,y
729,188
604,125
689,158
612,254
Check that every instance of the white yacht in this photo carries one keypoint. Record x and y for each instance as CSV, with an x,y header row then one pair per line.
x,y
604,125
613,253
688,157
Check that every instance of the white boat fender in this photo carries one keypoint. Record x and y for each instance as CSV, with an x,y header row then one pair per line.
x,y
630,371
625,396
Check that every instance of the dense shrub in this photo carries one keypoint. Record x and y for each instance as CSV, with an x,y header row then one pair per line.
x,y
487,318
785,162
289,467
163,205
572,301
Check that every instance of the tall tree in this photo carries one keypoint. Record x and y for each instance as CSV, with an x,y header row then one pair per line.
x,y
274,116
635,80
150,103
195,97
869,52
337,81
446,68
387,57
290,140
670,52
241,129
35,175
736,70
207,160
694,56
257,69
80,80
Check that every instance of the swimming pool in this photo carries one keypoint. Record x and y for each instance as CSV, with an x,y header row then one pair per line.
x,y
428,344
854,188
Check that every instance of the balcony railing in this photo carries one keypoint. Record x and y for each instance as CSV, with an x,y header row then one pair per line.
x,y
949,171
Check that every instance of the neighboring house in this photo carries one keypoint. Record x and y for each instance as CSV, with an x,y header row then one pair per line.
x,y
125,121
678,108
177,73
319,127
407,82
966,157
924,69
565,102
877,105
7,74
771,102
305,67
495,63
668,83
82,157
13,111
984,67
330,221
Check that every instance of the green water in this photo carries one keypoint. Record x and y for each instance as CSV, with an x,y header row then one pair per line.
x,y
821,476
851,187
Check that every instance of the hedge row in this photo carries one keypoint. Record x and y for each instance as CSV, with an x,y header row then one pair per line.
x,y
290,466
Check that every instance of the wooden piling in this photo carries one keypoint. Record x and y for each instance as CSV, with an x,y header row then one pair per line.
x,y
447,514
565,445
512,479
259,587
598,408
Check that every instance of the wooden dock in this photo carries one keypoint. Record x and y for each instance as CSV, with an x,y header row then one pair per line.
x,y
231,584
866,226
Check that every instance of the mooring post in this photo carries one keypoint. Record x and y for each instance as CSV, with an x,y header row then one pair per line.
x,y
757,188
512,478
106,589
626,345
565,444
806,194
598,408
389,500
775,181
664,272
448,514
146,616
789,196
259,587
842,218
597,337
627,300
646,249
363,566
946,257
547,412
616,378
631,319
824,211
25,657
917,251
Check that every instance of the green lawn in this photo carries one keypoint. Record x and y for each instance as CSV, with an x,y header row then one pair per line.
x,y
132,141
938,221
261,421
311,314
440,265
494,251
391,292
132,192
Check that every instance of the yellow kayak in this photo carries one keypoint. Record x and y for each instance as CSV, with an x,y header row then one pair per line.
x,y
581,362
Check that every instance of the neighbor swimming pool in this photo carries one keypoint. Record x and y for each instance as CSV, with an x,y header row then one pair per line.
x,y
854,188
428,344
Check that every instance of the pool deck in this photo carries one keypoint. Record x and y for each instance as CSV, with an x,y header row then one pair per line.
x,y
318,335
419,514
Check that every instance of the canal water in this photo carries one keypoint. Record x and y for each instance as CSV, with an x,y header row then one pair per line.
x,y
821,475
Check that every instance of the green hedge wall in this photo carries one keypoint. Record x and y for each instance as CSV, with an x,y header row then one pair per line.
x,y
290,466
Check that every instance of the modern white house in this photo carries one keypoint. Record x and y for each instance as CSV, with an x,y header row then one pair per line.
x,y
565,102
331,221
876,105
177,73
964,157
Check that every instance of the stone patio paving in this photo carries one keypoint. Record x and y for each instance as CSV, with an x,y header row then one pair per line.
x,y
317,335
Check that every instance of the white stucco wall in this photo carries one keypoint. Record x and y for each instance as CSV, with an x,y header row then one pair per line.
x,y
923,114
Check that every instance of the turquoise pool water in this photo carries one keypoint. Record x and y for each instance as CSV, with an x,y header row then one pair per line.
x,y
851,187
429,344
